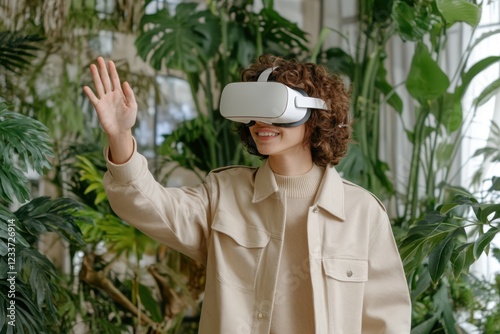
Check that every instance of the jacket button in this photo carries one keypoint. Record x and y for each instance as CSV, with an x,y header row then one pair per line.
x,y
260,315
316,209
349,273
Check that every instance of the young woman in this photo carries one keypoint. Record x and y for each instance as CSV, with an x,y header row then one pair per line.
x,y
289,247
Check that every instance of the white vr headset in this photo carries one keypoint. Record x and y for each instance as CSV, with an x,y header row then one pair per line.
x,y
267,102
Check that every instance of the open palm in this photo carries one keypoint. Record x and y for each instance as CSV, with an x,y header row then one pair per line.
x,y
114,103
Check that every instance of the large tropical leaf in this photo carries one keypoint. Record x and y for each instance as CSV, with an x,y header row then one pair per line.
x,y
58,215
189,145
411,22
460,11
472,72
448,112
24,145
28,318
426,79
491,90
39,287
93,176
178,41
280,36
122,238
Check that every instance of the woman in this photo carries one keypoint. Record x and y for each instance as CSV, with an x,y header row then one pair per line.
x,y
290,247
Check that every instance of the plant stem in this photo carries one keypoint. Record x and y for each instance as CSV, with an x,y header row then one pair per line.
x,y
366,96
193,91
412,197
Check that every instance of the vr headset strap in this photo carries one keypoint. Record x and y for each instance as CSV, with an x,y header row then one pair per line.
x,y
309,102
300,101
264,76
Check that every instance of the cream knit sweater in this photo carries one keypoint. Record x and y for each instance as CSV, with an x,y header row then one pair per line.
x,y
293,307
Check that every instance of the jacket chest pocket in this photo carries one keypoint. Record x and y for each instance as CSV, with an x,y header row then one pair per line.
x,y
238,251
346,270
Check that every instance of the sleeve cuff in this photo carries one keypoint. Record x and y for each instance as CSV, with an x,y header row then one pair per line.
x,y
127,171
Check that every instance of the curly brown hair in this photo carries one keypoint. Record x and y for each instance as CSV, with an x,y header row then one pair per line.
x,y
328,132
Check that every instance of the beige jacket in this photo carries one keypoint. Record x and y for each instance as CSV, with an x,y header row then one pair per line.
x,y
234,223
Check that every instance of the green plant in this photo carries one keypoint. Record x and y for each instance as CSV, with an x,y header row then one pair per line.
x,y
149,298
31,285
102,299
57,55
365,67
210,46
436,245
441,245
16,49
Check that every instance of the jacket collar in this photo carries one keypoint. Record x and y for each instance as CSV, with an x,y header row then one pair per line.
x,y
330,196
265,183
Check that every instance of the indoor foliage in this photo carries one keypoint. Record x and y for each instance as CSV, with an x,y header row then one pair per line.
x,y
103,291
40,292
442,229
210,45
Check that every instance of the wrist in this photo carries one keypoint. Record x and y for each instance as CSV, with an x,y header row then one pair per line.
x,y
121,147
119,135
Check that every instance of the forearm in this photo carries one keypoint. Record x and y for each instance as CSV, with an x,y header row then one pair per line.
x,y
121,147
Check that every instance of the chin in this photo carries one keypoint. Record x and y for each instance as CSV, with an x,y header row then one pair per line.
x,y
264,151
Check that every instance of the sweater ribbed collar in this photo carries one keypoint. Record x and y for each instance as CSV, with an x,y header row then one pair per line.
x,y
301,186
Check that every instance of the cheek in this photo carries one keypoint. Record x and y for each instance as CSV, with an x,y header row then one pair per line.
x,y
252,135
298,133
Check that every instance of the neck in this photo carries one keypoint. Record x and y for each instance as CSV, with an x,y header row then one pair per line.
x,y
287,165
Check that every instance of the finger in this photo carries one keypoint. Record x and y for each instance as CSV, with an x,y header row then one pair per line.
x,y
115,79
103,72
90,94
97,80
129,94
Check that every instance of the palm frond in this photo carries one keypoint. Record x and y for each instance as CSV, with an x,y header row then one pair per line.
x,y
29,318
93,176
17,49
39,287
24,144
58,215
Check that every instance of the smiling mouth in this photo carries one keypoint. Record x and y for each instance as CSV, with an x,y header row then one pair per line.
x,y
267,134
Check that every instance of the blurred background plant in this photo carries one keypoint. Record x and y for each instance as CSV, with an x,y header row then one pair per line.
x,y
210,45
93,273
442,228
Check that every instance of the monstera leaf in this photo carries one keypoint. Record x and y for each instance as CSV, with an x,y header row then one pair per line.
x,y
178,41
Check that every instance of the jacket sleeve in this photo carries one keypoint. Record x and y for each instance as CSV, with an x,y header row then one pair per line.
x,y
387,306
177,217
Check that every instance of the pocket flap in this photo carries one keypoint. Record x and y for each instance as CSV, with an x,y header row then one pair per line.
x,y
349,270
244,235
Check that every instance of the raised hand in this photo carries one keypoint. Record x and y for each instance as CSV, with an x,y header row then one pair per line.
x,y
116,108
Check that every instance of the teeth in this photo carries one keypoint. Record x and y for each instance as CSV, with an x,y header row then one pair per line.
x,y
267,134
